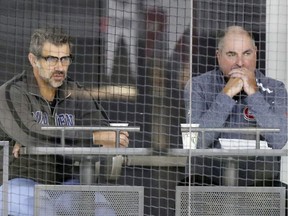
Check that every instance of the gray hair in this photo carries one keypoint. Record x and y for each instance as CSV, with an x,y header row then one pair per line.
x,y
52,35
231,30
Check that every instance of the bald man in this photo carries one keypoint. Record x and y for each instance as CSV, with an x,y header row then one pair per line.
x,y
237,95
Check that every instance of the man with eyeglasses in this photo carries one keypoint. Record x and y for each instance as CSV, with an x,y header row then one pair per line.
x,y
45,96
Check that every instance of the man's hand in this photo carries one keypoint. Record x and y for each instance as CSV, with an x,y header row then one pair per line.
x,y
16,150
233,87
241,78
248,78
108,138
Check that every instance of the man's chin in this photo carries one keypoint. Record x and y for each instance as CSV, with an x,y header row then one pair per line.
x,y
56,84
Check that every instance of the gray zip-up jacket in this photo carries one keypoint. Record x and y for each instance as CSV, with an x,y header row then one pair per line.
x,y
209,107
23,111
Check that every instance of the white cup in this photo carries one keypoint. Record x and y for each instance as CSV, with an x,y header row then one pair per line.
x,y
189,139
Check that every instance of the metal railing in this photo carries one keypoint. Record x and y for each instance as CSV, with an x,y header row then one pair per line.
x,y
117,129
5,176
88,167
90,151
256,131
138,156
144,156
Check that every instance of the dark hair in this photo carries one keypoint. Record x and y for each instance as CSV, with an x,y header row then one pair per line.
x,y
52,35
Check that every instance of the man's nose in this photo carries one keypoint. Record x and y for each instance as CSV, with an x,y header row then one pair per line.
x,y
239,61
59,65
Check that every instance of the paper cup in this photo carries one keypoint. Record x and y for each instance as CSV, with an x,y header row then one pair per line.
x,y
189,139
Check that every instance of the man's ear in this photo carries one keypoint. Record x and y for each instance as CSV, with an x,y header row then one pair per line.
x,y
217,52
32,59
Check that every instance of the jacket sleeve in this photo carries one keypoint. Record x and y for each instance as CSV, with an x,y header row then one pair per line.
x,y
199,112
271,113
18,123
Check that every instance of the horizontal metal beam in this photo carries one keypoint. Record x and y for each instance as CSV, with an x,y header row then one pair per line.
x,y
159,161
237,130
90,151
117,129
251,130
101,128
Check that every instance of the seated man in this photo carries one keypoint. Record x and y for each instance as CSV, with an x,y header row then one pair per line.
x,y
236,95
44,96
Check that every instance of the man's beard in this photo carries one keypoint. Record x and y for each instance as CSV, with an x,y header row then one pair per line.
x,y
47,78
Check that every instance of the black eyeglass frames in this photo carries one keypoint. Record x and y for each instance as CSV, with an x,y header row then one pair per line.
x,y
53,60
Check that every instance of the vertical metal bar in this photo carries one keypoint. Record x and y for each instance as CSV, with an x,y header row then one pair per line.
x,y
230,172
190,99
5,188
257,139
87,171
117,144
63,137
203,139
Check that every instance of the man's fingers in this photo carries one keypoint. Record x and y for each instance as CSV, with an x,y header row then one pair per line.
x,y
16,150
124,140
125,133
15,154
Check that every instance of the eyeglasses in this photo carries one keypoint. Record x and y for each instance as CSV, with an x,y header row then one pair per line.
x,y
53,60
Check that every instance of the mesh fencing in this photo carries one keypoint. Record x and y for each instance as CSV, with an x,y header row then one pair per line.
x,y
134,58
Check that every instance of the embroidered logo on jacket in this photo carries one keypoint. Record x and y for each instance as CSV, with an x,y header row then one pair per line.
x,y
62,119
41,117
260,85
248,115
